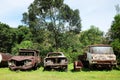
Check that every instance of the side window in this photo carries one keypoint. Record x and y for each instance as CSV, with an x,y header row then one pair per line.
x,y
91,49
88,49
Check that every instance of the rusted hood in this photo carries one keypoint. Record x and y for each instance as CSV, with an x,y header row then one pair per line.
x,y
20,58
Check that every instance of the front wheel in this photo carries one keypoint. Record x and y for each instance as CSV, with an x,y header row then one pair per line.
x,y
66,68
47,68
35,67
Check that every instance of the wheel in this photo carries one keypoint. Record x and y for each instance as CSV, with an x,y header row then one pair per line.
x,y
90,67
35,67
110,67
66,69
47,68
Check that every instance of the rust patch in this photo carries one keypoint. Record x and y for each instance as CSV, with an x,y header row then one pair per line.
x,y
27,59
4,57
55,60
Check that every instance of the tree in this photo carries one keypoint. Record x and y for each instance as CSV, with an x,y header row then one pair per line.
x,y
115,35
22,45
54,16
117,9
91,36
115,27
6,38
23,33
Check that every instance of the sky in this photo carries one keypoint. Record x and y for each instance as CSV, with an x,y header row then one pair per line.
x,y
99,13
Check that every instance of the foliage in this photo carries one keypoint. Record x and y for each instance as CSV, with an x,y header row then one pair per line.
x,y
117,7
116,47
6,37
23,33
53,16
91,36
115,35
73,56
115,27
22,45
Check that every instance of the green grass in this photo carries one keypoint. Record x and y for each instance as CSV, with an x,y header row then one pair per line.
x,y
6,74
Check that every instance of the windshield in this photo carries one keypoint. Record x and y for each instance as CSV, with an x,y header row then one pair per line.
x,y
26,53
55,54
101,50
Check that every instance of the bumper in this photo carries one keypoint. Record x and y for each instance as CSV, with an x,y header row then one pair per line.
x,y
56,65
106,62
20,67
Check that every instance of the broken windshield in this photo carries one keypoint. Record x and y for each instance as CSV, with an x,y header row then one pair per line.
x,y
101,50
26,53
55,54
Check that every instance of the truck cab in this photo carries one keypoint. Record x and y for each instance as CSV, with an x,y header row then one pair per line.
x,y
100,56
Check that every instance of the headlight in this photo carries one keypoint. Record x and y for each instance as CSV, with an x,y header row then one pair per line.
x,y
27,62
11,63
63,61
112,57
94,57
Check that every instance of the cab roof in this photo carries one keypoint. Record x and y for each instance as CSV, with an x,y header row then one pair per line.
x,y
99,45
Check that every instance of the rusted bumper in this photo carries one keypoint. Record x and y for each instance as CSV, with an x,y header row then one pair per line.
x,y
105,62
56,65
20,67
4,57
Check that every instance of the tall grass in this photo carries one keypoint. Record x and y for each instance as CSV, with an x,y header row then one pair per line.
x,y
6,74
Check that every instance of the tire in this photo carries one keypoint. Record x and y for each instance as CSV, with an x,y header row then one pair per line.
x,y
47,68
35,67
66,69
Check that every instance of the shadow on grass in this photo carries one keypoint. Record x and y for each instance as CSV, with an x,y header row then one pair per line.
x,y
95,69
55,69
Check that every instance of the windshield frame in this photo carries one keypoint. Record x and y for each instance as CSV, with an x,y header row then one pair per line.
x,y
26,53
101,50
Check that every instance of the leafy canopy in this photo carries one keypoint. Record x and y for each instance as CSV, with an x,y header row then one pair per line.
x,y
53,16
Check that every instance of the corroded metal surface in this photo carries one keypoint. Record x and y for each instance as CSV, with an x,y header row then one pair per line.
x,y
4,57
98,55
27,59
55,60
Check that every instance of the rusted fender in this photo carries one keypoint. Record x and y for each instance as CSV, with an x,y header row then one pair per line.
x,y
4,57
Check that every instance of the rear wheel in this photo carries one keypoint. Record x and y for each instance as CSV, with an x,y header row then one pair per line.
x,y
85,64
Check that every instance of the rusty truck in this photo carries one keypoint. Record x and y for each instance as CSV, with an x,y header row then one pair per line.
x,y
4,57
98,56
25,60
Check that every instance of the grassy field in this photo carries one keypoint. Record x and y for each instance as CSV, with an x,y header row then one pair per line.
x,y
6,74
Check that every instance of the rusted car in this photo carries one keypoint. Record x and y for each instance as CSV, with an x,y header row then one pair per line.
x,y
27,59
99,56
4,57
55,60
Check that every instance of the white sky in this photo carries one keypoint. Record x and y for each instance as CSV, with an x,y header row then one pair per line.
x,y
92,12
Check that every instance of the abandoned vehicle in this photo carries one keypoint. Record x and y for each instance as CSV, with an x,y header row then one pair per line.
x,y
4,57
98,56
26,59
55,60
